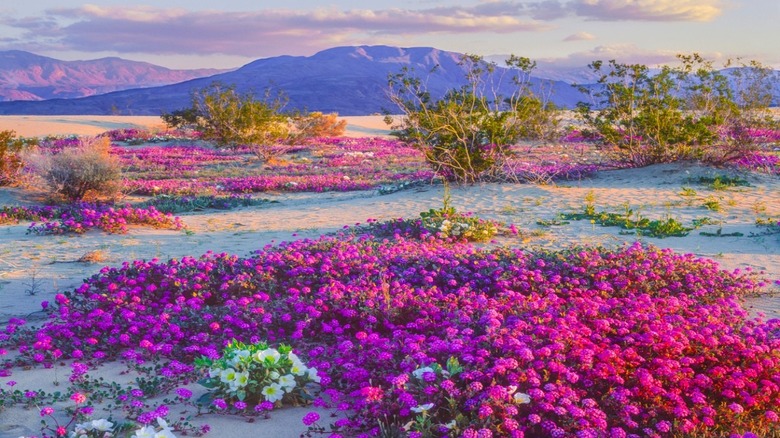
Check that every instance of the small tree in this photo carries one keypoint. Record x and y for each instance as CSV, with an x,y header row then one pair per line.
x,y
75,173
467,134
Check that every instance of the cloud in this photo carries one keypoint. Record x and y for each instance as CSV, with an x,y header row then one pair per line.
x,y
622,53
648,10
146,29
580,36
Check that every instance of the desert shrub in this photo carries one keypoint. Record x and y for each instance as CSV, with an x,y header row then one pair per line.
x,y
11,148
691,111
79,172
466,135
317,124
231,119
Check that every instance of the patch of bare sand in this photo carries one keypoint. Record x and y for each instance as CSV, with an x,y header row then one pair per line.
x,y
39,126
50,262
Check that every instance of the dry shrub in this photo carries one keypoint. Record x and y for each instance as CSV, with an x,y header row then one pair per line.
x,y
11,148
317,124
95,256
77,173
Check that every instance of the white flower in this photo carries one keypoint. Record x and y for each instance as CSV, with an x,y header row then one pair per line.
x,y
165,431
287,382
450,425
312,375
102,425
298,368
239,356
273,375
145,432
228,375
83,427
240,381
522,398
419,372
269,354
422,408
273,392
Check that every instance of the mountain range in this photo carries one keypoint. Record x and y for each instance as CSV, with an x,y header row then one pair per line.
x,y
27,76
346,80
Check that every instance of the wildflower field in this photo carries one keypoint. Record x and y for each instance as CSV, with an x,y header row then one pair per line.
x,y
400,327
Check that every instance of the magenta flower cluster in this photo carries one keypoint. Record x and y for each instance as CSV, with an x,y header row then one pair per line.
x,y
80,217
327,164
139,136
167,161
485,342
761,162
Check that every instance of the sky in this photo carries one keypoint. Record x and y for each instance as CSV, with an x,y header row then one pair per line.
x,y
230,33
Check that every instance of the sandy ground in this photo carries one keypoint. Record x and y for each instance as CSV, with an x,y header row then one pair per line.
x,y
38,126
34,268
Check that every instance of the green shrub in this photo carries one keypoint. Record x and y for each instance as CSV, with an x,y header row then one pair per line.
x,y
230,119
466,135
86,171
691,111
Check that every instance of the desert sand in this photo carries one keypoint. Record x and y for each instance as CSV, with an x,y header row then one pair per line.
x,y
51,262
38,126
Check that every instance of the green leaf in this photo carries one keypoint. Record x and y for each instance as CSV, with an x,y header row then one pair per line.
x,y
205,399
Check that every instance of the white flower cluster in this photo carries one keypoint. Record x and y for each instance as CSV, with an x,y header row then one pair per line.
x,y
151,432
96,428
272,368
103,428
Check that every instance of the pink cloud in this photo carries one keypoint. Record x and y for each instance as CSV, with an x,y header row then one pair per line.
x,y
580,36
145,29
649,10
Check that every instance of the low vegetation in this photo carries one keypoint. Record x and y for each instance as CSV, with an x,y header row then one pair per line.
x,y
433,337
221,114
466,136
12,149
86,170
691,111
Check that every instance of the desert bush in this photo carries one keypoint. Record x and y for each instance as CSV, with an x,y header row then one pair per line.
x,y
230,119
11,148
317,124
467,134
690,111
746,122
87,170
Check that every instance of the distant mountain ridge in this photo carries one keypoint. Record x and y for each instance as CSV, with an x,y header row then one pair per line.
x,y
27,76
347,80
